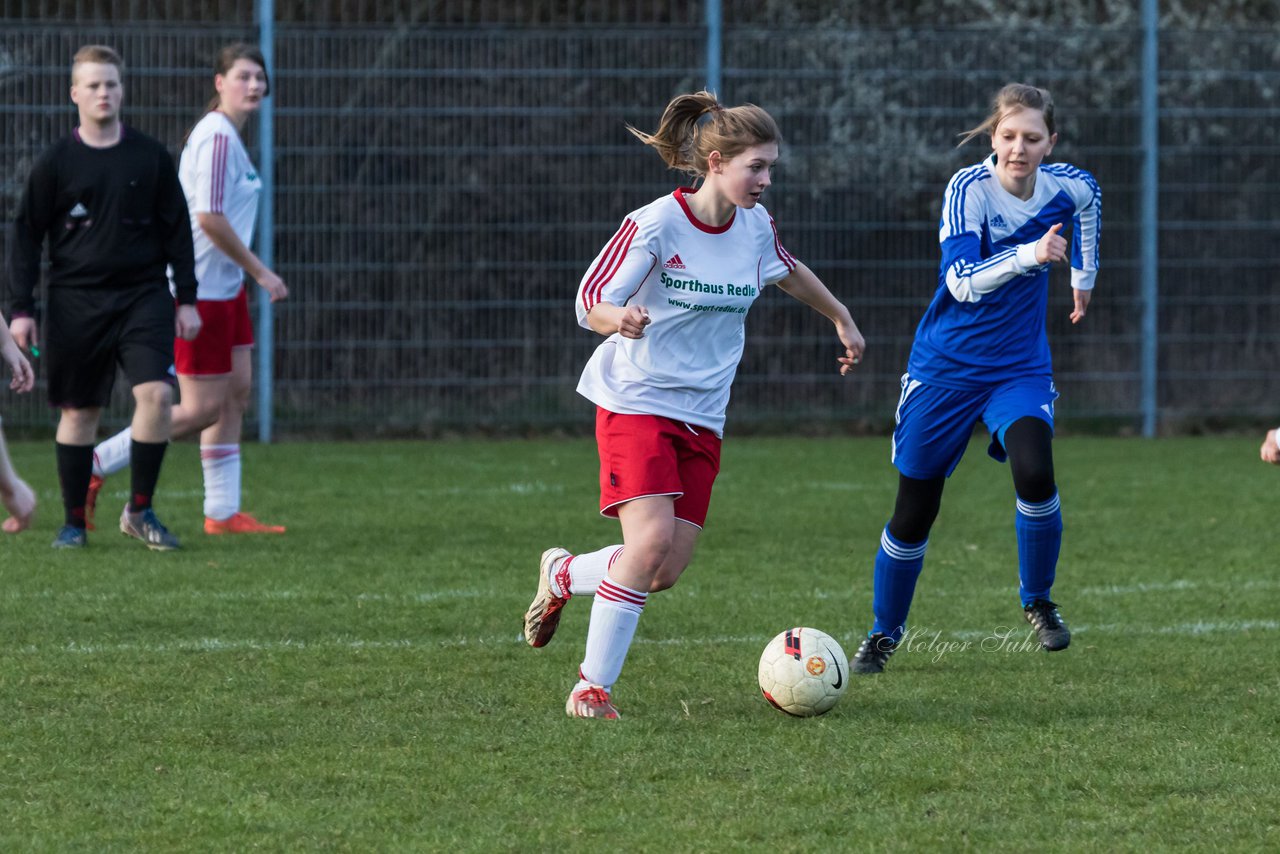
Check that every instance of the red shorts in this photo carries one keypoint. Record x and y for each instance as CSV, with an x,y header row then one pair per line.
x,y
226,326
643,455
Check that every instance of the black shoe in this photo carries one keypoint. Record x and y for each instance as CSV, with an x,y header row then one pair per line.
x,y
144,526
873,653
70,537
1050,629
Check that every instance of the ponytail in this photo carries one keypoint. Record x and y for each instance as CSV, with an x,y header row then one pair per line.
x,y
685,140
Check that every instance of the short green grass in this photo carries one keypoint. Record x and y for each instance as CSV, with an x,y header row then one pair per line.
x,y
359,683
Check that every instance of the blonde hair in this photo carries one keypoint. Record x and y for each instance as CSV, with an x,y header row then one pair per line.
x,y
98,53
1010,99
685,142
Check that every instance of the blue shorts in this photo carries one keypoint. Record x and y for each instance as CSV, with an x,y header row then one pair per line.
x,y
934,424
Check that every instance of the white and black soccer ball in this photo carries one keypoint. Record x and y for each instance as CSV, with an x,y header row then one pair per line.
x,y
803,672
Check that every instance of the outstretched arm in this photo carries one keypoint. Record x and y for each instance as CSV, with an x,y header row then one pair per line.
x,y
809,289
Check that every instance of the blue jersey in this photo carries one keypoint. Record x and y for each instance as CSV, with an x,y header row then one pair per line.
x,y
986,324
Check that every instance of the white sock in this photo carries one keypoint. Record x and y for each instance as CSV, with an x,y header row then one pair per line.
x,y
580,575
112,454
221,464
614,614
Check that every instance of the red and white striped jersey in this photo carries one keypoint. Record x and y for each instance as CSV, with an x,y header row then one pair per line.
x,y
697,283
218,177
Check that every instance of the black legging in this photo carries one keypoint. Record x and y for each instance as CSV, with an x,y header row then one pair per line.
x,y
1029,444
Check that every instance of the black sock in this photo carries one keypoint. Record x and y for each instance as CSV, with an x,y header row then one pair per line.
x,y
75,467
144,465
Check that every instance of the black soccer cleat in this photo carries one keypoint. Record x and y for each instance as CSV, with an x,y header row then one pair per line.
x,y
1050,629
873,653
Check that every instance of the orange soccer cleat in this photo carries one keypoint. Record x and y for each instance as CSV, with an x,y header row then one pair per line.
x,y
240,523
91,500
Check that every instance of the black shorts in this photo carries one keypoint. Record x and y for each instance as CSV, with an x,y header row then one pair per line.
x,y
89,331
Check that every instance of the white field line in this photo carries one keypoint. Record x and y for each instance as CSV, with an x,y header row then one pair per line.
x,y
685,591
1010,635
536,487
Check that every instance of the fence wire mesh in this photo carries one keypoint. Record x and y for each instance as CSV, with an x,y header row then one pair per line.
x,y
444,177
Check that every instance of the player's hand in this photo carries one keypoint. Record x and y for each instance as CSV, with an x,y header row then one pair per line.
x,y
854,346
633,321
1270,450
274,286
24,379
187,323
25,335
1051,247
1082,304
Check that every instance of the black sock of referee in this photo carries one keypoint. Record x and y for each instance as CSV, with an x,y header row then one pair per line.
x,y
75,467
144,464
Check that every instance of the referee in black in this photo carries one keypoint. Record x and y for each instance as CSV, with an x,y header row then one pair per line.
x,y
109,202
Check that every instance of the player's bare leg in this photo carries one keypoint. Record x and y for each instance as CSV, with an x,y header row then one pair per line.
x,y
220,456
201,402
648,532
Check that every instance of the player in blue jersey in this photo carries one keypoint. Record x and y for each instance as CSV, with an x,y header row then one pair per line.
x,y
981,354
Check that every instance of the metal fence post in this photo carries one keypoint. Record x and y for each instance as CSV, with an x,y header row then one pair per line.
x,y
715,28
266,226
1150,215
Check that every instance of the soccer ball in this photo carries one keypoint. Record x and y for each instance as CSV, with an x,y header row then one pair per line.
x,y
803,672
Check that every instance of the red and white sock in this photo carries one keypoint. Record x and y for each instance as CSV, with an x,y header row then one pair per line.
x,y
111,455
614,615
580,575
221,464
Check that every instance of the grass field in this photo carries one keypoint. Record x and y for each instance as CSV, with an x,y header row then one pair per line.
x,y
359,684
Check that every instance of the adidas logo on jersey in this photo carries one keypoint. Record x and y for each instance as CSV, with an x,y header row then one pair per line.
x,y
997,221
79,211
674,262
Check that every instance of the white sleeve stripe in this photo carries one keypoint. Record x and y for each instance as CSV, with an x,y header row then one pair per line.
x,y
964,269
610,261
955,204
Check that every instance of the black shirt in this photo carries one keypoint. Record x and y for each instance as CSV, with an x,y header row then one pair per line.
x,y
115,217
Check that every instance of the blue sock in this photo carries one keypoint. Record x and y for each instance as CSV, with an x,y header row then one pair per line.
x,y
1039,528
898,565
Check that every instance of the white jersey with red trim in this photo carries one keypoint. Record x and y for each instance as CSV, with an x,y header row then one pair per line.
x,y
218,177
697,283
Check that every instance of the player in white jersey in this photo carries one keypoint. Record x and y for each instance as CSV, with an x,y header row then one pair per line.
x,y
215,371
670,292
981,353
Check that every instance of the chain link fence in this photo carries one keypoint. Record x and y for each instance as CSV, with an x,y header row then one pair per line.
x,y
446,171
